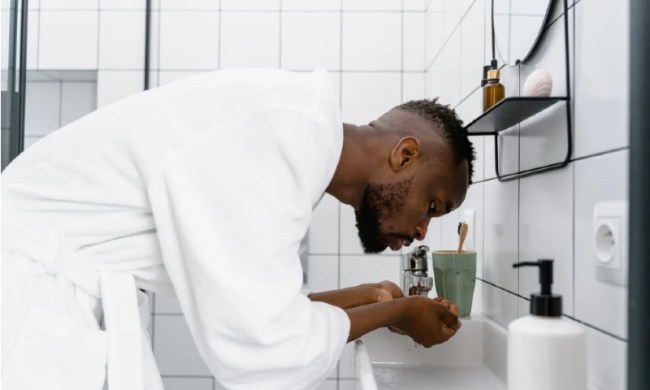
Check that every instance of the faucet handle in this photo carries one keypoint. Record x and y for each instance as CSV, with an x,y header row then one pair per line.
x,y
416,260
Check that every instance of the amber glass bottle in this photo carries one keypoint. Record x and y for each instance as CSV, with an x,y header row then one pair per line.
x,y
493,91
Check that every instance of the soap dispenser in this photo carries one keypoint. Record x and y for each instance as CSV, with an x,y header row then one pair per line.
x,y
545,350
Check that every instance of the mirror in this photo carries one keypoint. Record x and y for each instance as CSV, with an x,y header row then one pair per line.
x,y
518,24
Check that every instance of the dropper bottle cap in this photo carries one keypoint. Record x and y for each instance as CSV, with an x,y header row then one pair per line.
x,y
545,303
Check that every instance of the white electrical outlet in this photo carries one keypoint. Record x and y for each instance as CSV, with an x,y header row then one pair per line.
x,y
470,239
610,242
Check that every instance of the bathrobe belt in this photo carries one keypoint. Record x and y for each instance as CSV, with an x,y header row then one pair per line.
x,y
116,290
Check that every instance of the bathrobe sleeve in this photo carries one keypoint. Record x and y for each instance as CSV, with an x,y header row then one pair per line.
x,y
230,210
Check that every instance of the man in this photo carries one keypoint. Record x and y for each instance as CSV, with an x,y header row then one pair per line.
x,y
207,186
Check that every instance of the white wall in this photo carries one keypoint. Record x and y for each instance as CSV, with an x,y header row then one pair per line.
x,y
547,215
381,53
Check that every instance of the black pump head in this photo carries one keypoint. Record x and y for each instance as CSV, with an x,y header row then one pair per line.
x,y
545,303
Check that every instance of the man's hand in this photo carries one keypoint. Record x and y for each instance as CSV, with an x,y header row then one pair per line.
x,y
441,300
387,290
429,321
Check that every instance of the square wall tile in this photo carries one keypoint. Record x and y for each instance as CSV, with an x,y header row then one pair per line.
x,y
371,5
311,5
415,5
451,70
453,11
189,4
413,86
250,39
366,96
68,40
372,41
414,40
324,228
174,348
594,92
127,5
433,78
266,5
169,76
189,40
188,383
113,85
499,306
323,273
606,361
42,108
69,4
360,269
545,217
121,40
598,179
434,39
501,233
77,100
311,40
329,384
473,49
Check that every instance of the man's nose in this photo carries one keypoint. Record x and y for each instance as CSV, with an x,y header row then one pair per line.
x,y
421,230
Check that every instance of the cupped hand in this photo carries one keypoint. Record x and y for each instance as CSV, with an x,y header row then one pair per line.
x,y
429,321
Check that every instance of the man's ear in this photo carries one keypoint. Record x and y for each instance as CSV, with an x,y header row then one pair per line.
x,y
405,152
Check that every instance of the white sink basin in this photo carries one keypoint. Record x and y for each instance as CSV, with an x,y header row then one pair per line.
x,y
384,360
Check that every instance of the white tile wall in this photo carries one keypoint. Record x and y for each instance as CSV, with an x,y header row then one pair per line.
x,y
113,85
323,272
250,39
372,41
188,383
121,43
357,270
413,41
546,232
598,179
366,95
602,80
311,40
311,5
325,220
191,40
68,39
174,348
42,108
78,99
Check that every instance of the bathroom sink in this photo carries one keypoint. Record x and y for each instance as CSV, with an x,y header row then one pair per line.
x,y
384,360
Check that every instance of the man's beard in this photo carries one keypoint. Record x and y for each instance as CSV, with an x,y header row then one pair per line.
x,y
379,202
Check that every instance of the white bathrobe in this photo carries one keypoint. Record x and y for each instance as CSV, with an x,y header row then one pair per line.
x,y
207,184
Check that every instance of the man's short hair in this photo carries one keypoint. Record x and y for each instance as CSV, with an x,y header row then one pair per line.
x,y
451,125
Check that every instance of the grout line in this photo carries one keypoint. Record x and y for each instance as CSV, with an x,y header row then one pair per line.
x,y
563,314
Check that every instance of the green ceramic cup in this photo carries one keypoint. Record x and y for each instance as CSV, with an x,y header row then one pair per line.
x,y
455,275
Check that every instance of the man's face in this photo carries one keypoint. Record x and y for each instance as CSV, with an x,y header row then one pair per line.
x,y
395,214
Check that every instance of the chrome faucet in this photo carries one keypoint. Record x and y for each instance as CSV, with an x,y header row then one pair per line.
x,y
415,280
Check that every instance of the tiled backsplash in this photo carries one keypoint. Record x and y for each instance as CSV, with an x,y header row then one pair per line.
x,y
379,54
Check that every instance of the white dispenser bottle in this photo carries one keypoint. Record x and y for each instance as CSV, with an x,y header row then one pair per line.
x,y
545,350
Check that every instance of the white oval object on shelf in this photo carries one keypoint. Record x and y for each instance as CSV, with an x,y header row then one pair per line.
x,y
538,83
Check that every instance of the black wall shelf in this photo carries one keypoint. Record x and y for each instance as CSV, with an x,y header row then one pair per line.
x,y
511,111
508,112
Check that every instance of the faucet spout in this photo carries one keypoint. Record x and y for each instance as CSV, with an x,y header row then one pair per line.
x,y
415,280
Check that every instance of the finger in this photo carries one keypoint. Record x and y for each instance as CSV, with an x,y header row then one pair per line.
x,y
453,309
397,330
450,319
444,302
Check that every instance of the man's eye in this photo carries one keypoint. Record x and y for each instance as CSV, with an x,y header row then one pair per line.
x,y
432,208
